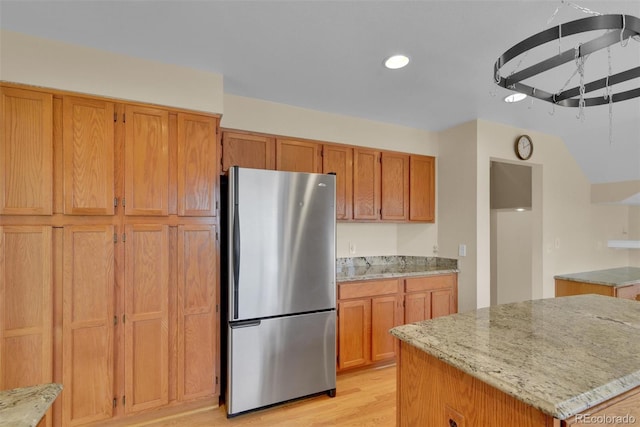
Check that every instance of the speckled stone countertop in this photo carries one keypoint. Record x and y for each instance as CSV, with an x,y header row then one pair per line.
x,y
25,407
560,355
382,267
622,276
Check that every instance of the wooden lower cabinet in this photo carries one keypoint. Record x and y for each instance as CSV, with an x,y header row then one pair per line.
x,y
88,324
366,312
26,300
368,309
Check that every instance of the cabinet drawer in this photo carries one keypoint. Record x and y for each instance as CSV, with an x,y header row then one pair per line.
x,y
367,289
629,292
429,283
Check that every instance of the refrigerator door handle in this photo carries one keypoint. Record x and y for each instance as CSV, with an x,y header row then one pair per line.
x,y
236,249
245,324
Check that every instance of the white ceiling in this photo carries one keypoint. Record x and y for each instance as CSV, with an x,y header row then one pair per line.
x,y
327,56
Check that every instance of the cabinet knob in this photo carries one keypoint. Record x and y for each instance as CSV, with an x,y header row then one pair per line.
x,y
452,423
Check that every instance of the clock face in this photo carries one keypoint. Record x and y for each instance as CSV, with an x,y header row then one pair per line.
x,y
524,147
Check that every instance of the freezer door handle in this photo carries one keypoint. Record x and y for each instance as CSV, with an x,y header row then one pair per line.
x,y
245,324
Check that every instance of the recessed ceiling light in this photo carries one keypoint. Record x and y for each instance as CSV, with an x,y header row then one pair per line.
x,y
396,61
515,97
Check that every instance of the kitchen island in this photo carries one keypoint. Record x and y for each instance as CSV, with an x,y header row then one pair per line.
x,y
621,282
552,362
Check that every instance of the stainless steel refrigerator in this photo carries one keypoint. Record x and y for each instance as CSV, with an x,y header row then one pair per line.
x,y
281,314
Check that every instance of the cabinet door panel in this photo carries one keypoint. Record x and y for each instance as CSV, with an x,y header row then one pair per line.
x,y
366,184
297,156
417,307
248,151
197,165
395,186
422,188
339,160
146,310
25,306
197,335
87,323
384,316
26,152
354,326
146,161
88,142
441,303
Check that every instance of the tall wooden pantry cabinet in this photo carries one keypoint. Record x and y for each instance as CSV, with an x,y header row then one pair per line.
x,y
108,253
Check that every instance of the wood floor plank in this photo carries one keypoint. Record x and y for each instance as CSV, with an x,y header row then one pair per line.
x,y
364,398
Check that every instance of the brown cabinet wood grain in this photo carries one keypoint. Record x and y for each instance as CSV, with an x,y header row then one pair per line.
x,y
422,188
395,186
571,287
354,336
366,312
366,184
297,156
197,336
338,159
26,293
89,150
26,152
197,166
146,316
146,169
88,324
247,150
428,297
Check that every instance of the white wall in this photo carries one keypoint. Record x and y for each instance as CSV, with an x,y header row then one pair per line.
x,y
369,238
634,234
52,64
457,206
513,256
573,231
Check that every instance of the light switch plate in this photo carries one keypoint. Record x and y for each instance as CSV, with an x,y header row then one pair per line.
x,y
462,250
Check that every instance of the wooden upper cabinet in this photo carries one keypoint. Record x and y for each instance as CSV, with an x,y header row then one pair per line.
x,y
197,337
88,146
197,165
297,156
26,301
146,176
422,188
339,160
87,323
395,186
248,151
366,184
26,152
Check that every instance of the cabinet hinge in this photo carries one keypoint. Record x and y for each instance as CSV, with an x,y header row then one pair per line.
x,y
216,308
124,318
115,202
115,238
124,118
216,380
380,211
124,237
115,117
217,205
115,320
216,236
124,400
115,402
124,202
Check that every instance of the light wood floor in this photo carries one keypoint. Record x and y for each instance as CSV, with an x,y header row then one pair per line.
x,y
364,398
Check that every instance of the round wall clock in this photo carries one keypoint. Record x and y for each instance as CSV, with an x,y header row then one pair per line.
x,y
524,147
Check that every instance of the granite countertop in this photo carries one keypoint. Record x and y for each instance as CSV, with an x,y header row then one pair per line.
x,y
560,355
383,267
622,276
25,407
